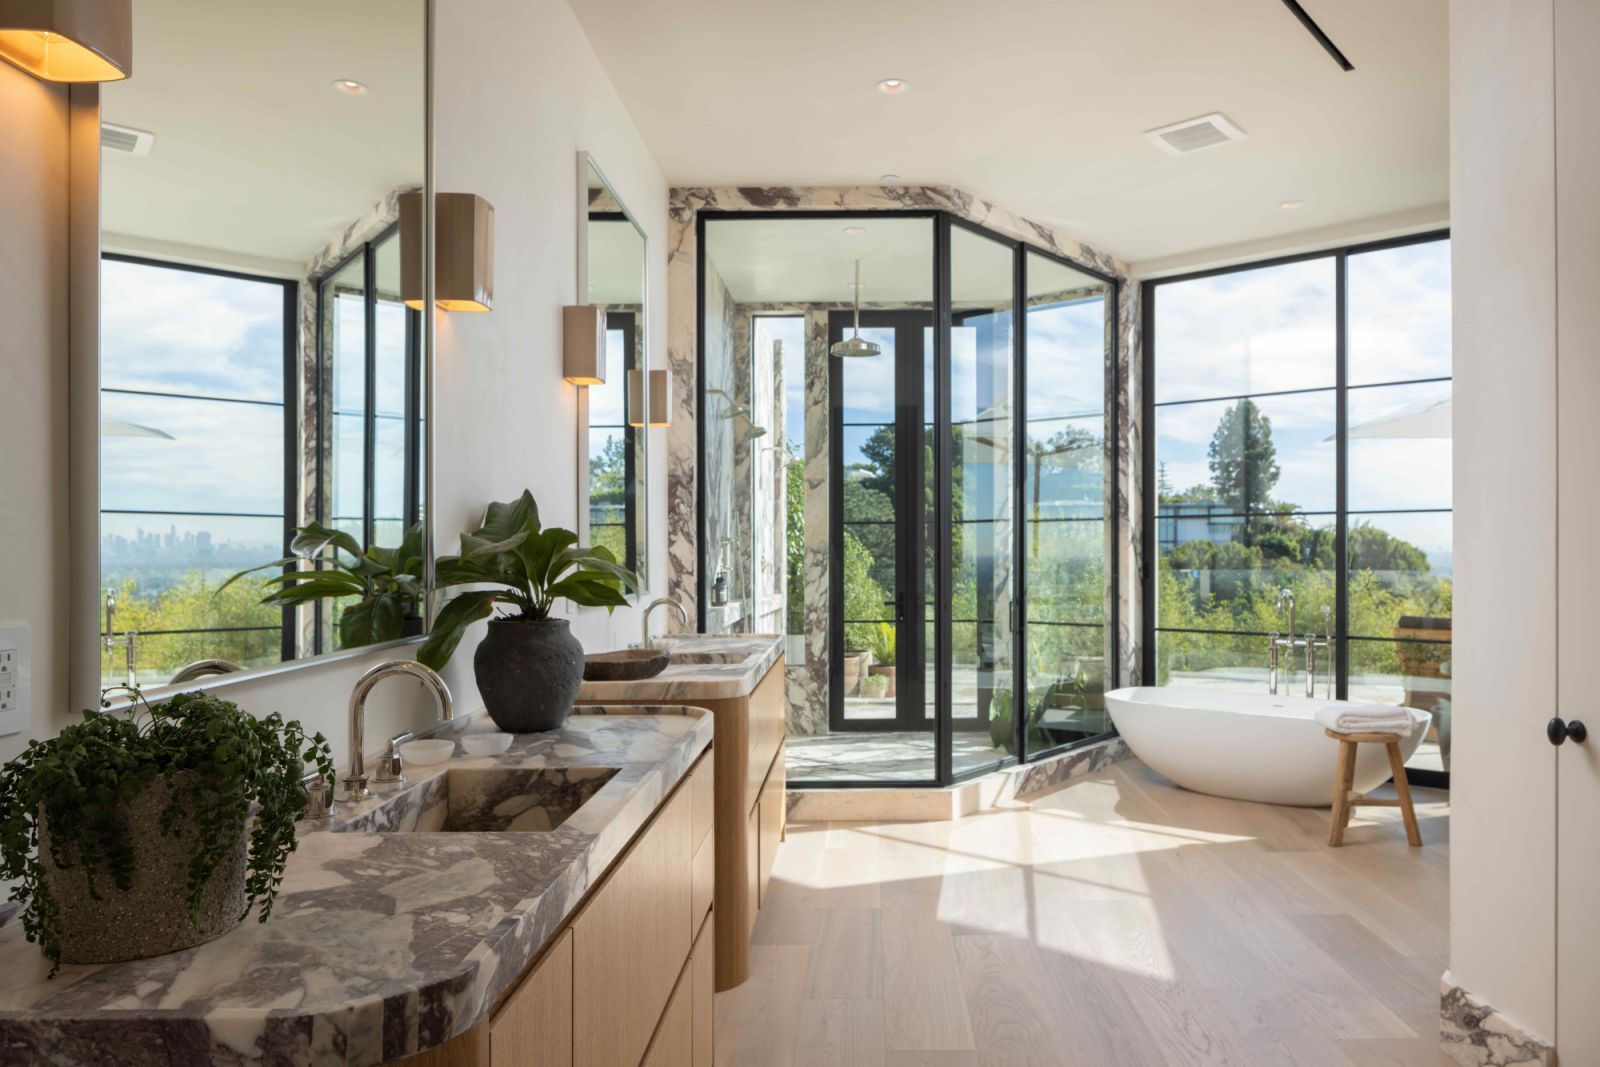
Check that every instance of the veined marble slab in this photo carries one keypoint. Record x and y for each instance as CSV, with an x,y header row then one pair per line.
x,y
380,944
744,659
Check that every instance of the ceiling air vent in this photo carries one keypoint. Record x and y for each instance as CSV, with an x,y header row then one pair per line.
x,y
126,139
1193,135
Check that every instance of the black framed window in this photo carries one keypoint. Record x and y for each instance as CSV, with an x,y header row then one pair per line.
x,y
613,478
197,474
1298,437
368,375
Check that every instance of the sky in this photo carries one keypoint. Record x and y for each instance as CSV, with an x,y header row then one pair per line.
x,y
1274,329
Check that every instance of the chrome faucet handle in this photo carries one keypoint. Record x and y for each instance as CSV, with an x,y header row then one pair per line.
x,y
319,797
355,788
391,768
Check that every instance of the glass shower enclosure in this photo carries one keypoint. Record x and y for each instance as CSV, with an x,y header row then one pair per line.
x,y
928,524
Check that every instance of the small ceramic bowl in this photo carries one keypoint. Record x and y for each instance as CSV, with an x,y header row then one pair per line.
x,y
426,753
487,744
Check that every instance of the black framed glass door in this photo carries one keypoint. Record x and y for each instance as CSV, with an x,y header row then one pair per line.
x,y
880,512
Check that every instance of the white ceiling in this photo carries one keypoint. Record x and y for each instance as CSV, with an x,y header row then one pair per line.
x,y
256,157
1041,105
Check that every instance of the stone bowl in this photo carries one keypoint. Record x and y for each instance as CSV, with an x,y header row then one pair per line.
x,y
628,665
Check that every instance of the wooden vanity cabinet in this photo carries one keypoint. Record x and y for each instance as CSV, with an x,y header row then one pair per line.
x,y
628,981
750,800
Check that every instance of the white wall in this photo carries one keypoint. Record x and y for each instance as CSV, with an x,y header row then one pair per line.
x,y
33,385
1502,832
518,93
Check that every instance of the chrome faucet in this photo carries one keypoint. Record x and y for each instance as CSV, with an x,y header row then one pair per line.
x,y
1310,643
355,783
666,601
202,668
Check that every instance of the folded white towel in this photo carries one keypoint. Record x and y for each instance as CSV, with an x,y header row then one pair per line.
x,y
1366,719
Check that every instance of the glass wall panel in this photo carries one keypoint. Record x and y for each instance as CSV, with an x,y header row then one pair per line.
x,y
826,446
861,535
1064,493
983,504
391,378
345,358
1247,332
1248,486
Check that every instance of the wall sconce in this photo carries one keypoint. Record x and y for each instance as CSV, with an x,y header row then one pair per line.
x,y
583,344
463,251
659,410
68,40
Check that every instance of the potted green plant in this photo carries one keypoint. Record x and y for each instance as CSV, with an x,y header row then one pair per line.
x,y
883,641
133,834
529,666
386,582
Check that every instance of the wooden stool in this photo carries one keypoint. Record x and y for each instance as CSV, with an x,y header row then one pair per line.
x,y
1344,798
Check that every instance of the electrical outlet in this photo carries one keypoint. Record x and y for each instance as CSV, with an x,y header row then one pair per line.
x,y
14,677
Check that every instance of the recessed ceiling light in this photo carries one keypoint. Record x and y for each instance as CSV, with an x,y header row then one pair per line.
x,y
893,86
1292,205
855,231
890,179
855,285
349,88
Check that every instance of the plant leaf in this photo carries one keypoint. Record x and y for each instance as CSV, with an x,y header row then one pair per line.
x,y
313,537
355,624
501,520
452,622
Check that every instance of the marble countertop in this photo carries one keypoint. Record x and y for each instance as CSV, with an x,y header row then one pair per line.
x,y
380,944
742,661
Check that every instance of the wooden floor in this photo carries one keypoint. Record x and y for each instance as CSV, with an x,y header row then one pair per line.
x,y
1117,920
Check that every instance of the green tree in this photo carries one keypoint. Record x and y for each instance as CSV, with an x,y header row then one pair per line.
x,y
1243,459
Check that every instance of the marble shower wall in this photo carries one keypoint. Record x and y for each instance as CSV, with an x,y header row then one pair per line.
x,y
808,680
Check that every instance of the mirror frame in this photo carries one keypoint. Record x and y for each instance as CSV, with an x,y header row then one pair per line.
x,y
83,399
586,163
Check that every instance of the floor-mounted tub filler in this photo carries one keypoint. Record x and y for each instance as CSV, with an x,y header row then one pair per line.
x,y
1248,746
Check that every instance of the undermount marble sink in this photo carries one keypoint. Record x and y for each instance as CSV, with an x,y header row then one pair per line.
x,y
486,800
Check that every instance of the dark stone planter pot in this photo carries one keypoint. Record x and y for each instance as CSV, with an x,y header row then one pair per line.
x,y
152,917
528,673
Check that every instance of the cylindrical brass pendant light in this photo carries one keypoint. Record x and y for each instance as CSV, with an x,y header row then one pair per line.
x,y
68,40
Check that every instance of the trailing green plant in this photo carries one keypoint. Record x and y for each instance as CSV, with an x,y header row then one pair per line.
x,y
386,582
531,568
80,782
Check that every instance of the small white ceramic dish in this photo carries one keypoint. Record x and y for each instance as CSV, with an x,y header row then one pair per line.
x,y
426,753
487,744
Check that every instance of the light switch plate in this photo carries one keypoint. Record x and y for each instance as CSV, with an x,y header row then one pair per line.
x,y
15,674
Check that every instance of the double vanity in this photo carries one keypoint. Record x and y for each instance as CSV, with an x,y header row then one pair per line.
x,y
548,906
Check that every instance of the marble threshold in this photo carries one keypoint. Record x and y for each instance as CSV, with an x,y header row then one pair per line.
x,y
933,803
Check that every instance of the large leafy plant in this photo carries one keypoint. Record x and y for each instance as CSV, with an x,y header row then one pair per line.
x,y
530,567
386,582
80,782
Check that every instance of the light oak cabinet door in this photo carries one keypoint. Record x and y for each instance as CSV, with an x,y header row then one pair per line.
x,y
772,818
533,1028
674,1041
702,970
630,942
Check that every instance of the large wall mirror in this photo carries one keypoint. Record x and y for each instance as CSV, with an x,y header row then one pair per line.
x,y
615,418
258,374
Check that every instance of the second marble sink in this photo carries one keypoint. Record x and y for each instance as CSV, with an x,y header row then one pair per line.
x,y
486,800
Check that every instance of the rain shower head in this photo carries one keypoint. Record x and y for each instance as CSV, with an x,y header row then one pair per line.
x,y
855,346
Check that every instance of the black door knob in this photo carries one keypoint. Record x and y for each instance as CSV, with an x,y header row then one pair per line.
x,y
1558,731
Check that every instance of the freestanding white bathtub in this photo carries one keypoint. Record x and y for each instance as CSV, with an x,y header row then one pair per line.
x,y
1249,746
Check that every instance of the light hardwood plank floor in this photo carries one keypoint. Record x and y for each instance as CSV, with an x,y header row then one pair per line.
x,y
1116,920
